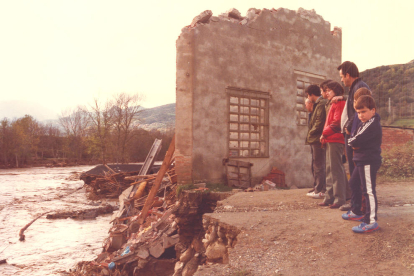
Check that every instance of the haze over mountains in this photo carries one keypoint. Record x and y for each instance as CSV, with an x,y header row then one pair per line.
x,y
17,109
156,118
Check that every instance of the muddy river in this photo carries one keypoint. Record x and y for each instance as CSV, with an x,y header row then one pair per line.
x,y
52,247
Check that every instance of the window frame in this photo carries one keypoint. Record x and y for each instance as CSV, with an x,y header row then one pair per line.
x,y
249,138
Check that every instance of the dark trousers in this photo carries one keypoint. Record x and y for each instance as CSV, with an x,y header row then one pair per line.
x,y
363,184
349,154
318,167
336,180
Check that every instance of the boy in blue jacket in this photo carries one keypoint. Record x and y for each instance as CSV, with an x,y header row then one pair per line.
x,y
366,144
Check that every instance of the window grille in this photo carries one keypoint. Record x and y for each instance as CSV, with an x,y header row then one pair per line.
x,y
248,123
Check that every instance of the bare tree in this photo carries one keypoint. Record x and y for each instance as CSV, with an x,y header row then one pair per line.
x,y
126,111
101,119
75,123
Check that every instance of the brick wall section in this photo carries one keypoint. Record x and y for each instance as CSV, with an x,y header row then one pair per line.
x,y
392,136
183,169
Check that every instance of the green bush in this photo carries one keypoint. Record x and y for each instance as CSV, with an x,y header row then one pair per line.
x,y
398,162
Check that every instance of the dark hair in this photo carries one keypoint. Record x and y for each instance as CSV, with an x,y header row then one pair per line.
x,y
323,84
362,91
365,101
335,87
349,68
313,90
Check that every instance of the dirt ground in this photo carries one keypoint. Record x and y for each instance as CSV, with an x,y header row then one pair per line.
x,y
283,232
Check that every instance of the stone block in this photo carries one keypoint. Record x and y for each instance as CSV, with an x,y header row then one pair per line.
x,y
156,250
202,18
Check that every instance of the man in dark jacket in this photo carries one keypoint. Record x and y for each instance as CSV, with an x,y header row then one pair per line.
x,y
316,124
349,74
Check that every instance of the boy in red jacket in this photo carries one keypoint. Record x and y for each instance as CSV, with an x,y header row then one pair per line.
x,y
336,181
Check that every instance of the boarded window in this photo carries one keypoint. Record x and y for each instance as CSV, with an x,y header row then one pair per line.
x,y
301,113
248,130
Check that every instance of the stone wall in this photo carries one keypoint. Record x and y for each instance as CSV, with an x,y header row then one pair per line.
x,y
266,51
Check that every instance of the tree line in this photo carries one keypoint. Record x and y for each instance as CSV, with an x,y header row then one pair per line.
x,y
101,132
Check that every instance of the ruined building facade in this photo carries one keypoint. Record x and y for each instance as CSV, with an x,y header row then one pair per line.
x,y
240,91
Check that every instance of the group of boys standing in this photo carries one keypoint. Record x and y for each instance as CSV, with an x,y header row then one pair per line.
x,y
339,124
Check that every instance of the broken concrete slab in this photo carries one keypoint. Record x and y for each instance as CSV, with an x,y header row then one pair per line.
x,y
156,249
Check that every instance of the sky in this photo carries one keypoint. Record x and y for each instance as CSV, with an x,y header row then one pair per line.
x,y
55,55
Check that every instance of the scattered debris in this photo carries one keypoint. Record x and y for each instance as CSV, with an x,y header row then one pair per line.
x,y
277,177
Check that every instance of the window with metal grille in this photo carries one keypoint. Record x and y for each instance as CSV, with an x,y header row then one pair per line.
x,y
301,113
248,123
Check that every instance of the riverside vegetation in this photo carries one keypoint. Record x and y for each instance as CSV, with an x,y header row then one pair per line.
x,y
101,132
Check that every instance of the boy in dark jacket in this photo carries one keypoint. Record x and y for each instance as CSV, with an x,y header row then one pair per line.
x,y
366,144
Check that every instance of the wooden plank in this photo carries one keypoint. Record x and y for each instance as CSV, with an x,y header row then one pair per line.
x,y
149,160
111,170
157,182
237,163
148,163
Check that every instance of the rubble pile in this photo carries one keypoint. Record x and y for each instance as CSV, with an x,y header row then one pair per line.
x,y
172,240
132,246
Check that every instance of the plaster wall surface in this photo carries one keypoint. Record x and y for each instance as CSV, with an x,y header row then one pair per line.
x,y
266,51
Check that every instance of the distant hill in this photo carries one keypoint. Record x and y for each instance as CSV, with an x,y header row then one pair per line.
x,y
395,84
158,118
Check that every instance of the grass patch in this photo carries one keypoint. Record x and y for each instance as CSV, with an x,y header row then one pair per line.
x,y
217,187
181,188
398,162
403,123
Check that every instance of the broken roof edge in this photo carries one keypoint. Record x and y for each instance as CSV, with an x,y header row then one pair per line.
x,y
234,16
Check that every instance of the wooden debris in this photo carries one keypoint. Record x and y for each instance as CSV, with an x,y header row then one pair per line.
x,y
90,213
111,170
22,237
164,167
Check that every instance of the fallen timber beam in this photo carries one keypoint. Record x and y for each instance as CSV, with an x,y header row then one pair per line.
x,y
22,237
157,182
90,213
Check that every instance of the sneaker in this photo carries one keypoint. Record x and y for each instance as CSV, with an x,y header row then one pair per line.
x,y
345,207
351,216
311,194
366,228
319,195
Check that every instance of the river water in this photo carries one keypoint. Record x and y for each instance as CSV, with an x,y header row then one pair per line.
x,y
52,247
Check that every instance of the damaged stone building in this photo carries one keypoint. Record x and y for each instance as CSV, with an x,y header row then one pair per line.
x,y
240,91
